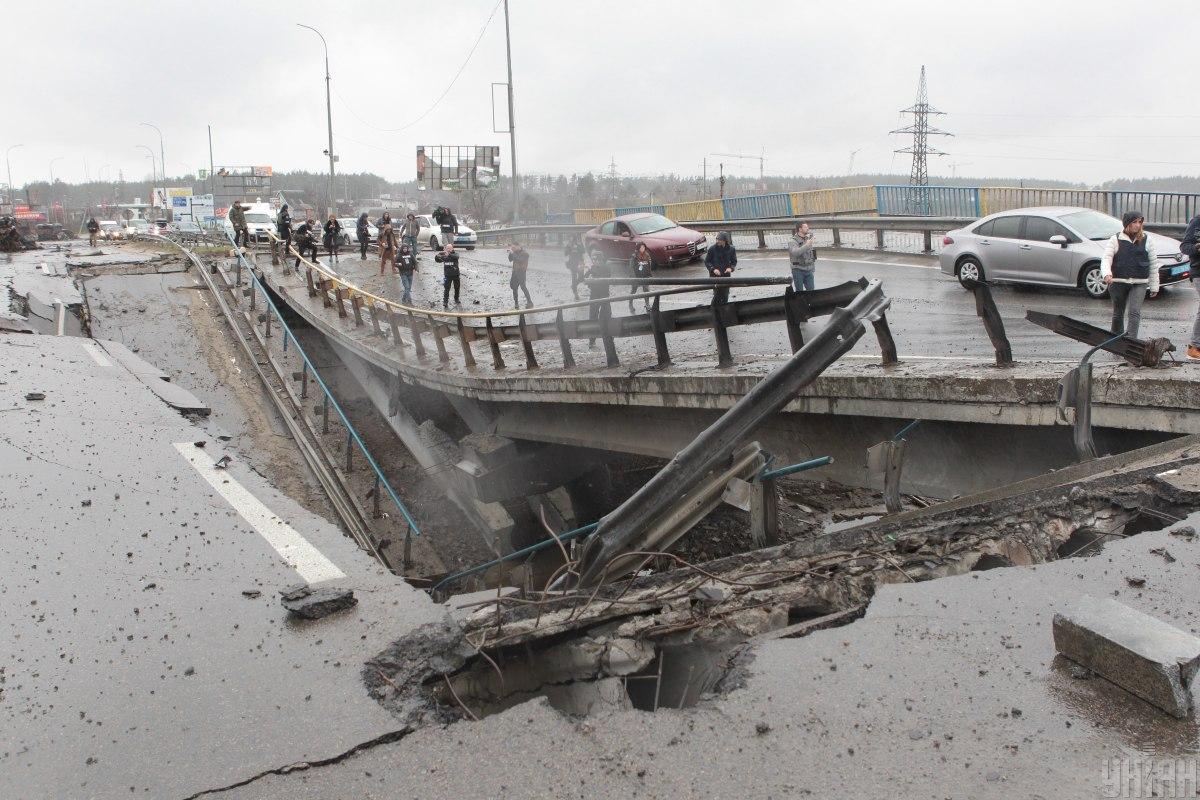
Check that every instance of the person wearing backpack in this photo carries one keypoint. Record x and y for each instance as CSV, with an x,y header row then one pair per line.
x,y
362,229
803,258
1129,266
283,224
93,229
1190,247
387,244
641,265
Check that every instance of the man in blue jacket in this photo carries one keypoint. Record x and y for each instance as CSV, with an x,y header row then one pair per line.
x,y
720,262
1190,249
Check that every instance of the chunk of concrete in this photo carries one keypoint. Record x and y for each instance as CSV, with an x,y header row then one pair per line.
x,y
316,602
1143,655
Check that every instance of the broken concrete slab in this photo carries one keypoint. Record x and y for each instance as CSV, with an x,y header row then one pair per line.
x,y
315,602
1143,655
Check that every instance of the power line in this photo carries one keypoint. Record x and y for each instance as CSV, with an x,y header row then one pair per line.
x,y
442,96
921,130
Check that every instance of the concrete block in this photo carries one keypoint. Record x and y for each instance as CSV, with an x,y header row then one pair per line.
x,y
488,450
561,499
315,602
1143,655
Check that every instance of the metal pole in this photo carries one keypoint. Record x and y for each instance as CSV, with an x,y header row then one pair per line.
x,y
162,158
12,190
49,199
512,125
153,173
212,185
328,112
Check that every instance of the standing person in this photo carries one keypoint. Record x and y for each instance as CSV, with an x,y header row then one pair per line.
x,y
362,229
1189,247
519,257
306,241
573,253
237,218
449,261
596,291
1129,265
332,237
406,262
641,265
447,223
93,229
283,223
412,229
803,257
720,262
387,244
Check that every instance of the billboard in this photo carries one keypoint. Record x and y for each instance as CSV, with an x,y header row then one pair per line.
x,y
451,167
167,198
197,208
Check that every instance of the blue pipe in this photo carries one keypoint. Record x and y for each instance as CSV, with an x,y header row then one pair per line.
x,y
533,548
801,467
900,434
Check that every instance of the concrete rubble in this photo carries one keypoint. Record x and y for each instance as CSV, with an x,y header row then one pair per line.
x,y
311,602
1141,654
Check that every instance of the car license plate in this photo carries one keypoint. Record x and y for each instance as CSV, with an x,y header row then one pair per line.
x,y
1180,270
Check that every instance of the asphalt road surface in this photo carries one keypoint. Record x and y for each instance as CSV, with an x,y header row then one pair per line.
x,y
931,315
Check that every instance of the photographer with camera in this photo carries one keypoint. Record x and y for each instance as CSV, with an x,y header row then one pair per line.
x,y
803,257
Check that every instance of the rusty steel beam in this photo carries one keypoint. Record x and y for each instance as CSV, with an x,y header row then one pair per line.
x,y
1138,352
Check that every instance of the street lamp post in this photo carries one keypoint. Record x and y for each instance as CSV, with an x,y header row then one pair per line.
x,y
162,159
12,190
328,112
512,125
153,172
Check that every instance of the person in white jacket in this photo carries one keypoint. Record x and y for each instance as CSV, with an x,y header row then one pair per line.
x,y
1129,265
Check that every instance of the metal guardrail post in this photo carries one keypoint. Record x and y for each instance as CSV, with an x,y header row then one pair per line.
x,y
497,358
879,239
762,239
349,453
376,329
341,301
465,344
795,313
526,343
660,335
564,343
606,323
308,279
928,241
418,345
993,323
356,302
443,356
376,512
887,345
721,335
304,381
325,417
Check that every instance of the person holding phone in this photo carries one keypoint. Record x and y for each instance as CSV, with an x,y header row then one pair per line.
x,y
803,258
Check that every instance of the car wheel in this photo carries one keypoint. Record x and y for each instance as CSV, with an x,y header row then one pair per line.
x,y
433,243
969,269
596,256
1093,283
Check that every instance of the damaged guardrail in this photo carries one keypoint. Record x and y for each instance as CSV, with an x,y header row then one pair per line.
x,y
388,319
652,514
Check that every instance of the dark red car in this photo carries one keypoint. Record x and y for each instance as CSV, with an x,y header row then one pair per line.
x,y
669,243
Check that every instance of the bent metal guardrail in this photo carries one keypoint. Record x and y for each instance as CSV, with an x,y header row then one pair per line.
x,y
387,318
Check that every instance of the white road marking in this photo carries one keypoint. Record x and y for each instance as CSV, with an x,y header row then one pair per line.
x,y
294,549
92,349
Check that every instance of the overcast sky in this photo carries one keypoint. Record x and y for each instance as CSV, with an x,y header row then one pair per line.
x,y
1083,91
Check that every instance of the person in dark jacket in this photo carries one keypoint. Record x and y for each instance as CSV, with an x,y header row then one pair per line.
x,y
306,241
447,222
597,291
283,223
387,243
237,218
641,265
333,236
519,257
362,230
449,261
406,263
720,262
574,253
1190,247
93,229
412,229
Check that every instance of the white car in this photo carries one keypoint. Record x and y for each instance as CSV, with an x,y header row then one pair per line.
x,y
111,229
350,231
431,234
135,227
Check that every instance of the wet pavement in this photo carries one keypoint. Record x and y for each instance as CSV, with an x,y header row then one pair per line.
x,y
148,652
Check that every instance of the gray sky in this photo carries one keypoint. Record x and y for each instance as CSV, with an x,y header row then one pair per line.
x,y
1083,91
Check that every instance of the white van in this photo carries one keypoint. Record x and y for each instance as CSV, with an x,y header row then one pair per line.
x,y
260,218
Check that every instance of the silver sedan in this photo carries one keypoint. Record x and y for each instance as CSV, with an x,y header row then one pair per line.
x,y
1048,246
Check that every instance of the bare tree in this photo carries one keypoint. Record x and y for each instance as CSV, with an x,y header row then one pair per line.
x,y
480,205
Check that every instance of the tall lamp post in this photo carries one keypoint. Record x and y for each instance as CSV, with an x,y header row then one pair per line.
x,y
328,112
49,202
162,159
12,190
512,125
153,173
